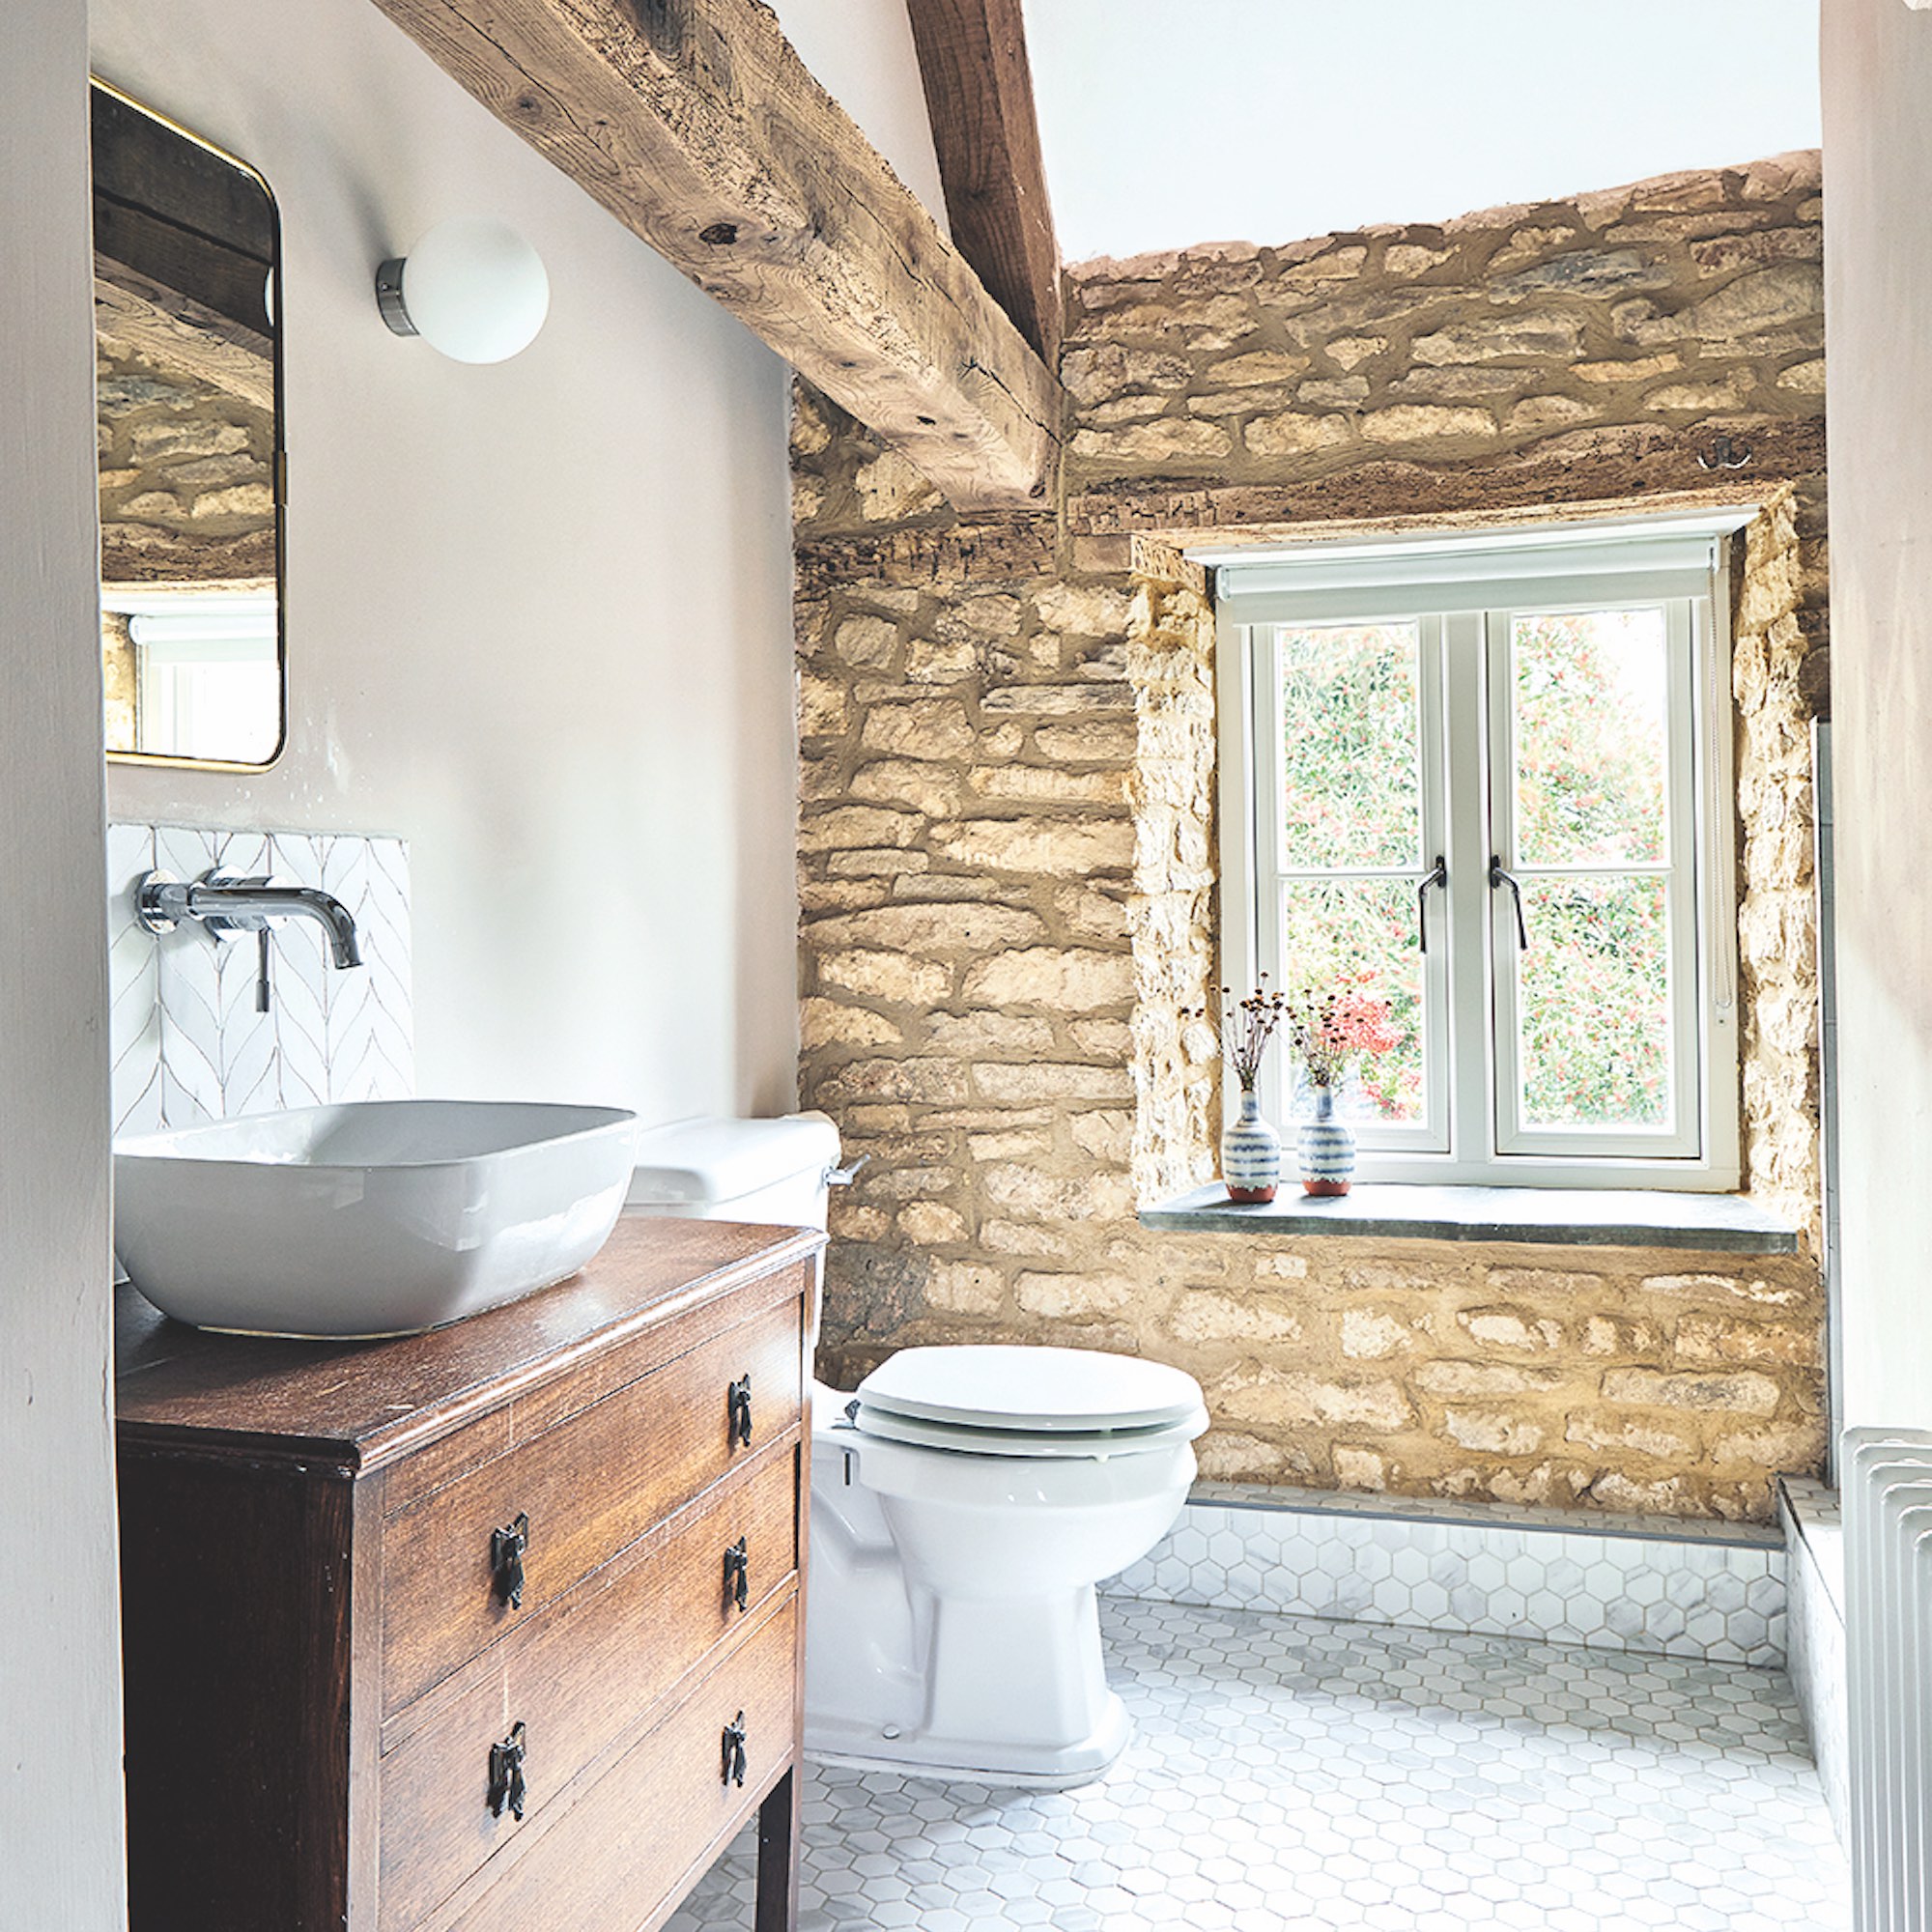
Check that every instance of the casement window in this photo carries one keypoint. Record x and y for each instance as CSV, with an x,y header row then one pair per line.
x,y
1487,779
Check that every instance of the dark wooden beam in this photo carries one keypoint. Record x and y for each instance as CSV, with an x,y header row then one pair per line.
x,y
978,93
179,214
697,125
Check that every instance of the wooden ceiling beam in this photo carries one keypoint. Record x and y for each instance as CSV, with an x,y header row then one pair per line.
x,y
697,125
978,95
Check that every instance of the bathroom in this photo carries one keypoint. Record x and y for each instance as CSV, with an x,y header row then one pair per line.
x,y
539,620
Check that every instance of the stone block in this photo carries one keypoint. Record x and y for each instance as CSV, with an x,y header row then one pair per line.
x,y
1165,439
1101,741
1425,422
1369,1335
963,1288
1512,1328
1018,1083
931,727
913,1079
1053,846
1359,1468
1208,1317
832,1023
977,1032
1292,435
1741,1393
1496,1431
1260,366
847,827
1768,301
927,930
930,789
1283,1267
1023,1193
1067,979
1075,1297
1516,337
896,977
1466,1379
931,1224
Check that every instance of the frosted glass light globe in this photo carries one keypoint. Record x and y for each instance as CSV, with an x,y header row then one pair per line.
x,y
474,288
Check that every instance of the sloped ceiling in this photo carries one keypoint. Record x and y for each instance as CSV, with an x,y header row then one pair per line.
x,y
1271,120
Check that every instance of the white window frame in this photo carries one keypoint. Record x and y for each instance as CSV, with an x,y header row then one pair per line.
x,y
1462,589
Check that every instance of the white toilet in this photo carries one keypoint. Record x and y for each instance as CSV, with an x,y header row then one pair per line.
x,y
964,1503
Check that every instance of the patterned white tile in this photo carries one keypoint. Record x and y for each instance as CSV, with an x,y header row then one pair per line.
x,y
188,1041
1719,1596
1295,1775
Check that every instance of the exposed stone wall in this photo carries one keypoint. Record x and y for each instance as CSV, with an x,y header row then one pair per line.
x,y
186,476
1008,859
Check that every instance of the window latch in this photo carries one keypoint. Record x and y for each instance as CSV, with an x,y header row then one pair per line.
x,y
1500,877
1438,877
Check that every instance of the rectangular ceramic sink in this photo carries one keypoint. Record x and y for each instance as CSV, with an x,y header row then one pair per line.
x,y
382,1217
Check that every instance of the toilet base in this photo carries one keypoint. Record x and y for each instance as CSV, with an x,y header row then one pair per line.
x,y
915,1753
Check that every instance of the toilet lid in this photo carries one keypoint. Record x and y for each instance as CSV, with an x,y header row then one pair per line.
x,y
1031,1391
962,1438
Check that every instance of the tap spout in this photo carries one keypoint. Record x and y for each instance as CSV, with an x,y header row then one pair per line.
x,y
246,905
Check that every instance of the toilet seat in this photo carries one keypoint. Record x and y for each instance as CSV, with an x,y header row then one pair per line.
x,y
966,1440
1006,1400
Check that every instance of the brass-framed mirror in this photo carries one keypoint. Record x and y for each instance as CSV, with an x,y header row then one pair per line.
x,y
187,304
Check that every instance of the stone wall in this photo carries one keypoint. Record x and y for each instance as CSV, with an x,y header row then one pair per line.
x,y
187,475
1008,843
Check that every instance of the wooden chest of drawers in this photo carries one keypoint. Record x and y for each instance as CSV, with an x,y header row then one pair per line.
x,y
496,1626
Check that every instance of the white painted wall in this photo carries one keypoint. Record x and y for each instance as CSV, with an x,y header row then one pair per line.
x,y
1270,120
538,614
1878,260
863,53
60,1767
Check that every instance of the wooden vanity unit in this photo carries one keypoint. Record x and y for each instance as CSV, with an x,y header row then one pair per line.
x,y
498,1627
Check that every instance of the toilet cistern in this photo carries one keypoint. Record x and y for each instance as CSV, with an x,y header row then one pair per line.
x,y
228,905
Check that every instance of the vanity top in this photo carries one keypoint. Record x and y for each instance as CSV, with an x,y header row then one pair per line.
x,y
360,1404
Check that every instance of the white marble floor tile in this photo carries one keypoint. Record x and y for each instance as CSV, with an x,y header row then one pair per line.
x,y
1291,1775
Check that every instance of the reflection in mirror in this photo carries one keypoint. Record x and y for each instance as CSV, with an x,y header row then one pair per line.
x,y
186,299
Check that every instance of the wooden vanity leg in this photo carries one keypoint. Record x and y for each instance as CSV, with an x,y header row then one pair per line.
x,y
778,1856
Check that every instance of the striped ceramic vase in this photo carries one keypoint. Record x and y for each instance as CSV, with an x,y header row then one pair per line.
x,y
1328,1148
1251,1154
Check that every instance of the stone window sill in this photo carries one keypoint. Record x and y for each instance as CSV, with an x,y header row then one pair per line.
x,y
1547,1216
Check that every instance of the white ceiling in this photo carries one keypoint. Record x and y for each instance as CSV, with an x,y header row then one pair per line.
x,y
1268,120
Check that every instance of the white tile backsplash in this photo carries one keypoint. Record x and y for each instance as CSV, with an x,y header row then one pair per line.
x,y
188,1045
1720,1597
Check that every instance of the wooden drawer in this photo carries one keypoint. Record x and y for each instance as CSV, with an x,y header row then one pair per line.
x,y
589,1486
577,1676
646,1827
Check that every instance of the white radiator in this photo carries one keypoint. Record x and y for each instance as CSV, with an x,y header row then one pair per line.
x,y
1886,1476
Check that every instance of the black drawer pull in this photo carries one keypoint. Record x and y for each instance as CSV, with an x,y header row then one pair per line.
x,y
738,1410
506,1776
507,1560
738,1576
734,1750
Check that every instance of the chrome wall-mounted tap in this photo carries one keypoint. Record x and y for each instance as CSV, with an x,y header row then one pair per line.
x,y
228,907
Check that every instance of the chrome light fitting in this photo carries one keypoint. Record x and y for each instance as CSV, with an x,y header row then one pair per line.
x,y
472,288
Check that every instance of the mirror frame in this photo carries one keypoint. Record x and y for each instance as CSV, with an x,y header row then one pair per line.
x,y
280,462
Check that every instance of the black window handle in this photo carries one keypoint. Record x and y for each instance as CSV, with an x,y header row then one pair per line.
x,y
1438,877
1500,877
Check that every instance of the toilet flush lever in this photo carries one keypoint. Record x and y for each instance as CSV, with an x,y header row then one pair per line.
x,y
844,1176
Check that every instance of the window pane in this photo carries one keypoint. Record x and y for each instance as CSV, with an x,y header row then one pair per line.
x,y
1351,745
1362,932
1593,1004
1591,739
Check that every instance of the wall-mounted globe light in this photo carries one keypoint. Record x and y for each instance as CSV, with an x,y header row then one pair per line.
x,y
473,287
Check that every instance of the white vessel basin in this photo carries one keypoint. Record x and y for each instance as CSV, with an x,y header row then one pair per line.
x,y
383,1217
